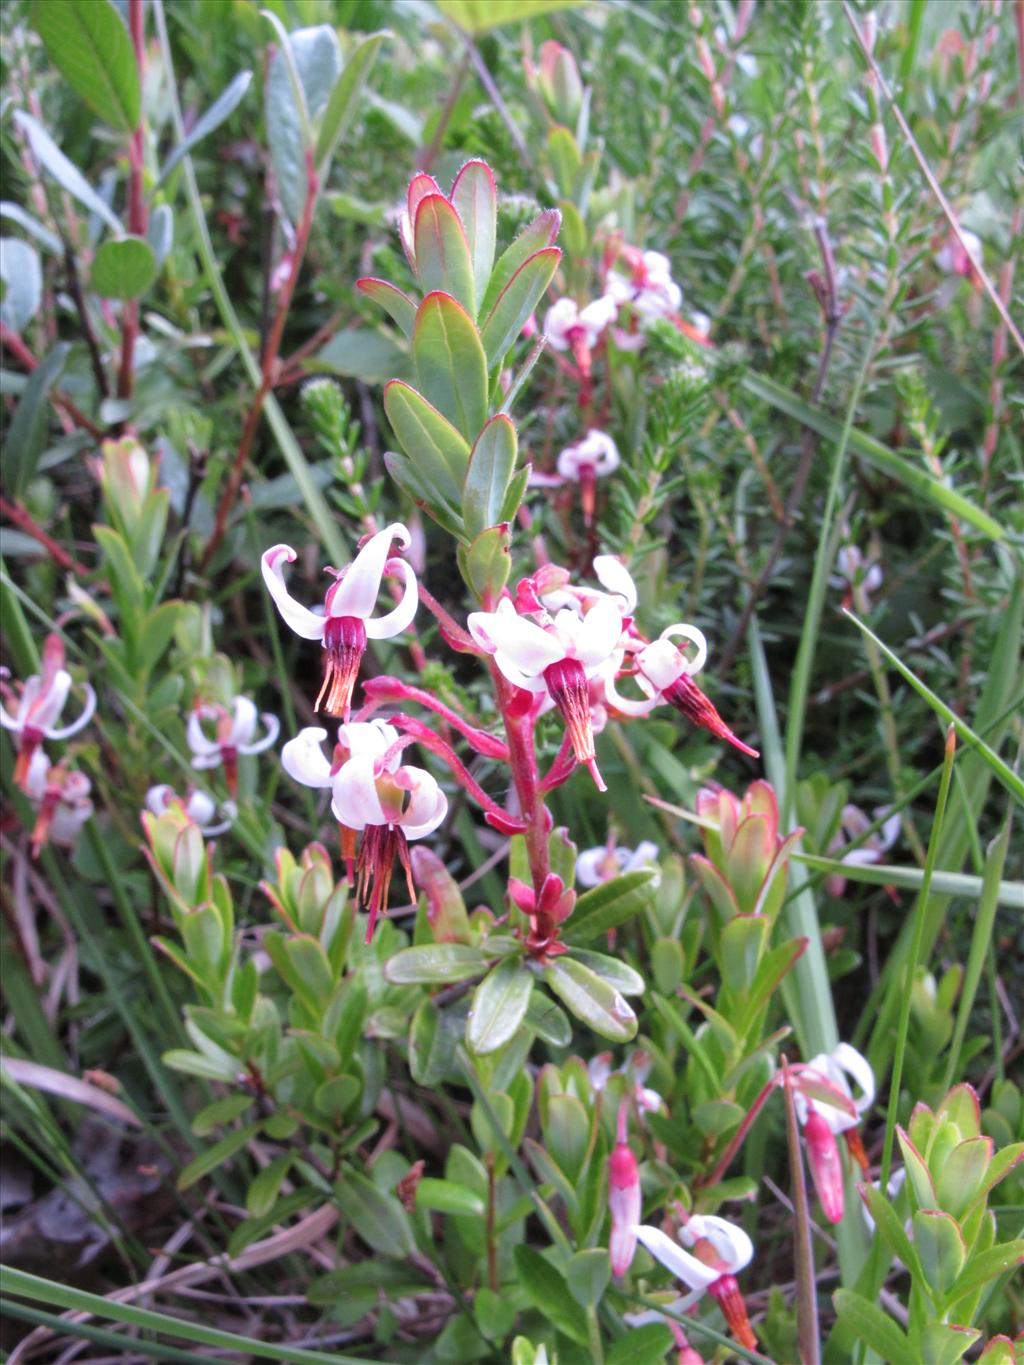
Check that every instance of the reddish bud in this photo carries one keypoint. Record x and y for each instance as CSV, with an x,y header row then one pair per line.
x,y
826,1165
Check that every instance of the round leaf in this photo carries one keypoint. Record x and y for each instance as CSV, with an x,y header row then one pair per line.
x,y
123,268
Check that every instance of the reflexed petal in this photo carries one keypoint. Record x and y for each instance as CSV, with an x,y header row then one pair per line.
x,y
297,617
45,709
37,777
858,1068
371,737
854,821
400,618
646,854
427,806
695,637
660,663
862,857
356,593
890,831
303,758
66,731
672,1256
200,808
273,730
203,761
731,1244
615,578
199,742
525,645
589,870
599,633
159,798
597,315
558,320
243,722
354,799
627,705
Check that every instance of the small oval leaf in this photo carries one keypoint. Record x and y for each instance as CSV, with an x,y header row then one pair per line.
x,y
123,268
499,1004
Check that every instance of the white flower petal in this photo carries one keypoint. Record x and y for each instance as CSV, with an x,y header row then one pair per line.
x,y
560,318
696,638
400,618
44,709
243,722
297,617
599,633
525,645
427,806
858,1068
66,731
354,798
672,1256
371,737
37,777
273,730
627,705
615,578
203,761
198,742
890,831
303,758
589,870
200,808
356,593
731,1244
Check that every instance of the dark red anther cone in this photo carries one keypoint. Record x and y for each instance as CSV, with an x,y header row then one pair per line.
x,y
570,691
344,647
686,697
726,1293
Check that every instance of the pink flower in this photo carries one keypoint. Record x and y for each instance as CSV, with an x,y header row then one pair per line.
x,y
601,864
823,1122
853,822
557,659
649,286
200,809
346,623
854,572
32,714
625,1199
236,731
374,793
571,328
61,798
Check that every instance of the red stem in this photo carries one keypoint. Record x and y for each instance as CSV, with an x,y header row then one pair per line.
x,y
136,204
431,740
385,688
20,516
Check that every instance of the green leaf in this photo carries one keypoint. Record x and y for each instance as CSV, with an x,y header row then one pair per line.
x,y
475,200
546,1288
441,252
221,1112
620,974
23,283
1002,771
263,1191
962,1175
587,1276
597,1003
646,1345
944,1343
123,268
610,904
26,436
376,1217
217,1155
345,100
317,62
191,1063
940,1249
160,232
409,478
435,449
987,1265
398,306
431,1045
565,160
335,1097
434,964
912,879
566,1127
913,477
444,1196
499,1004
222,108
517,301
477,16
741,944
487,563
451,368
534,237
69,177
46,239
874,1327
91,48
492,462
362,353
548,1021
890,1226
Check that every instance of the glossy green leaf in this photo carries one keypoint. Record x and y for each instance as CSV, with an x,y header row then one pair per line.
x,y
492,462
23,283
433,446
431,1045
425,495
317,63
987,1265
546,1288
610,904
451,368
587,1275
534,237
221,109
874,1327
362,353
376,1217
475,199
912,476
620,974
517,301
918,1174
263,1191
335,1097
434,964
123,268
646,1345
398,305
962,1175
487,563
217,1155
68,176
221,1111
345,99
566,1126
890,1226
944,1343
444,1196
741,944
499,1005
26,436
444,263
591,999
940,1248
565,160
90,46
548,1021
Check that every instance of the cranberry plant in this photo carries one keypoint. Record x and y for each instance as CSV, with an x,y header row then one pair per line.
x,y
512,602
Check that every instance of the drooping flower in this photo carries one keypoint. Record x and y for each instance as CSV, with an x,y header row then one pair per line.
x,y
32,714
571,328
647,285
200,808
601,864
372,793
595,455
60,796
719,1250
956,257
635,1068
236,731
840,1067
854,572
347,623
664,673
557,659
625,1198
853,822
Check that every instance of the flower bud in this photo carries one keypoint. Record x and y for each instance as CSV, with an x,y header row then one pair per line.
x,y
826,1165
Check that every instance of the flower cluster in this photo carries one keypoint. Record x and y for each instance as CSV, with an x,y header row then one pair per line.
x,y
31,712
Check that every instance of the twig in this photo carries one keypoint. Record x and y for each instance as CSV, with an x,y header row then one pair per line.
x,y
427,159
18,348
136,204
487,81
88,332
19,516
